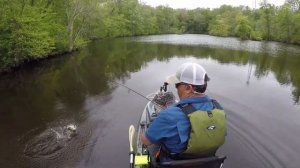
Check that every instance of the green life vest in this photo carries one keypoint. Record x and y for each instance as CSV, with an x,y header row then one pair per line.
x,y
208,129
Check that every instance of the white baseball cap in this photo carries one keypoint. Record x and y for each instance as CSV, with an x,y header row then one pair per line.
x,y
190,73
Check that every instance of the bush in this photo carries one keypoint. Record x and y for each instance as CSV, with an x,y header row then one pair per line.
x,y
25,37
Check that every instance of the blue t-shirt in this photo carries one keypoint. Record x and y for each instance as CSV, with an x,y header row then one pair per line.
x,y
172,128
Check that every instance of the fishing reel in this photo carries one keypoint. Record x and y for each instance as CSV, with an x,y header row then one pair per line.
x,y
164,98
164,87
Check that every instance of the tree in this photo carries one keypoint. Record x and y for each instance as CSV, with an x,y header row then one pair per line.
x,y
26,35
296,29
198,21
130,9
148,20
224,21
295,4
77,13
33,29
243,28
267,12
219,26
285,23
166,20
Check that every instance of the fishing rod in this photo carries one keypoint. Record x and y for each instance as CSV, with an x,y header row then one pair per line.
x,y
131,153
134,91
162,88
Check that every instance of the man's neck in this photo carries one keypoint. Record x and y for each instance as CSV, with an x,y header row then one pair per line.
x,y
195,94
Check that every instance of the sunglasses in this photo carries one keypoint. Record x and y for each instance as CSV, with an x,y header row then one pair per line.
x,y
178,84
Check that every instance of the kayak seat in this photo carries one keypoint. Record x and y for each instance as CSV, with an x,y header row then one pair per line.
x,y
207,162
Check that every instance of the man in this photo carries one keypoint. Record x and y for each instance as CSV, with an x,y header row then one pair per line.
x,y
171,129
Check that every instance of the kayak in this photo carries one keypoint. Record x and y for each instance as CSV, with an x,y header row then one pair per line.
x,y
139,155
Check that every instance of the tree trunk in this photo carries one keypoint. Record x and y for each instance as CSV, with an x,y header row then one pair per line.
x,y
71,38
22,7
48,3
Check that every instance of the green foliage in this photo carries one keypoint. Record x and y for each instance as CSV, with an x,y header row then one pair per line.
x,y
296,29
149,21
266,20
115,26
35,29
166,20
284,23
198,21
256,35
25,37
219,27
243,28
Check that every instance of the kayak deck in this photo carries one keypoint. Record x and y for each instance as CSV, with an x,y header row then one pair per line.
x,y
207,162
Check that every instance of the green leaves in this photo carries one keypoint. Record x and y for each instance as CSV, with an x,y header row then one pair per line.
x,y
243,28
25,37
296,29
219,27
35,29
284,22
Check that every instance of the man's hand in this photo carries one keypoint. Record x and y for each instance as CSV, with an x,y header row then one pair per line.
x,y
144,139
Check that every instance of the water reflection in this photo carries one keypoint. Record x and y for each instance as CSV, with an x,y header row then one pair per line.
x,y
280,59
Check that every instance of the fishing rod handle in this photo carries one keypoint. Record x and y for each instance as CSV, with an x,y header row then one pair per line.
x,y
132,158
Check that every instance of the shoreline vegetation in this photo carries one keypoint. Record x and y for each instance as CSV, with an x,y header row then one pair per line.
x,y
31,30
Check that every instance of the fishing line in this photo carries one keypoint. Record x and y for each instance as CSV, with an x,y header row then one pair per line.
x,y
134,91
138,93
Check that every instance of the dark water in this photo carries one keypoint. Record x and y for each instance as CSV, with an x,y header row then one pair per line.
x,y
258,83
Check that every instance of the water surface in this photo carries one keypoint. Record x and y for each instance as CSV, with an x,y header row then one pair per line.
x,y
256,82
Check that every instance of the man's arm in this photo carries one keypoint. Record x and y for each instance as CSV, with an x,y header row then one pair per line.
x,y
158,129
145,140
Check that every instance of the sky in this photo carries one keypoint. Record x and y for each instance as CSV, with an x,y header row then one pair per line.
x,y
192,4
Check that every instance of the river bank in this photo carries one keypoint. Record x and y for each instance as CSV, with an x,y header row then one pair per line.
x,y
33,62
33,30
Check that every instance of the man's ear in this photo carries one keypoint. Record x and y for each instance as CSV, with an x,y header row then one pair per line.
x,y
188,88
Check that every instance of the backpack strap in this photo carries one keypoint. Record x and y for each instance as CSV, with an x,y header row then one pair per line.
x,y
187,108
216,104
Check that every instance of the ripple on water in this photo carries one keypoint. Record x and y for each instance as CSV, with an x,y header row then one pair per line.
x,y
253,139
47,143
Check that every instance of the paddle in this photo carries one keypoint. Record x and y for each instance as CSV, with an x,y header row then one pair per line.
x,y
132,154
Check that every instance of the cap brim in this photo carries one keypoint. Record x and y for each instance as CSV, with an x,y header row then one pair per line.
x,y
172,79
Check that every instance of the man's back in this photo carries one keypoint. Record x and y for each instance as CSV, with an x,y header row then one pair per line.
x,y
172,127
